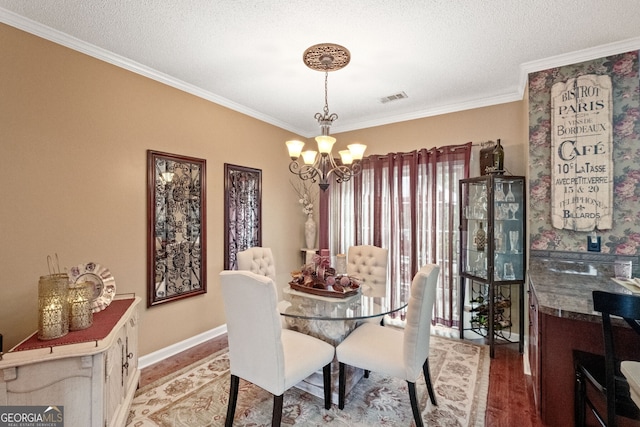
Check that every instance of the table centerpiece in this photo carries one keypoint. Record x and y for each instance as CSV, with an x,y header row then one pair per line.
x,y
319,278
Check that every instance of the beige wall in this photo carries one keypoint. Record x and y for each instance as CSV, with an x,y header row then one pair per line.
x,y
504,121
73,138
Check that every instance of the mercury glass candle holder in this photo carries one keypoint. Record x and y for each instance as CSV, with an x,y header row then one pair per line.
x,y
53,306
80,311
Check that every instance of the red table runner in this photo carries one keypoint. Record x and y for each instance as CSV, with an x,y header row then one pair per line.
x,y
103,323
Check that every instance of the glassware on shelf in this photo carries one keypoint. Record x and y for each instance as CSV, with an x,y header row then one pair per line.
x,y
510,197
513,207
514,236
499,194
480,238
481,265
502,211
480,205
509,274
499,238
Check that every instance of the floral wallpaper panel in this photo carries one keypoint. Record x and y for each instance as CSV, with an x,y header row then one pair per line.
x,y
624,237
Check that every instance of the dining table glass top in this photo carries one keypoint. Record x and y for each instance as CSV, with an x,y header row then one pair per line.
x,y
362,305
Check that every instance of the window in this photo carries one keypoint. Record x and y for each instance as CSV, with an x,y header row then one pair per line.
x,y
408,203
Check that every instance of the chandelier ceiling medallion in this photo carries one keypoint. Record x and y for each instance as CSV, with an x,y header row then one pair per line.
x,y
325,57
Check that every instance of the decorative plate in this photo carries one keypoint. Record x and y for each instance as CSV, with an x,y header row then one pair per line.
x,y
104,285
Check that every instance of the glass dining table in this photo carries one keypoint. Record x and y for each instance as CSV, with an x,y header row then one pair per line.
x,y
332,319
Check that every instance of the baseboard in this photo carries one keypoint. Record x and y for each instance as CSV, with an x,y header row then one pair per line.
x,y
173,349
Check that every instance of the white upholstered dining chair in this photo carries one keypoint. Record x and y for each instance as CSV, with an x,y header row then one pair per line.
x,y
394,352
369,263
260,350
257,260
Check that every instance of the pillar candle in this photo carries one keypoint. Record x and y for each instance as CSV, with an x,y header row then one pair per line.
x,y
341,264
309,257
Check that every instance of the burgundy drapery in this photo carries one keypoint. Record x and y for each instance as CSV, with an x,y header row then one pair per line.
x,y
406,202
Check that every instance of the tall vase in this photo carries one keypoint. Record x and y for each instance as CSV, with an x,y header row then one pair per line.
x,y
310,232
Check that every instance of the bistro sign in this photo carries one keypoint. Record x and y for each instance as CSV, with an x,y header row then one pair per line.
x,y
581,153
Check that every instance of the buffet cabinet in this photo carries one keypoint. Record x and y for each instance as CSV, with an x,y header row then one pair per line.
x,y
94,381
492,258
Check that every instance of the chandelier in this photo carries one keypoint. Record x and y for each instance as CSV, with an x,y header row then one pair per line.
x,y
325,57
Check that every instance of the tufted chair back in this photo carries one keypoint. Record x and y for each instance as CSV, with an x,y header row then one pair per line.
x,y
369,263
258,260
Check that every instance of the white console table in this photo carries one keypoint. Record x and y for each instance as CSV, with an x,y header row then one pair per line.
x,y
94,380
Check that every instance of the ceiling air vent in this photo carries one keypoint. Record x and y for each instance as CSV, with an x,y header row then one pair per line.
x,y
394,97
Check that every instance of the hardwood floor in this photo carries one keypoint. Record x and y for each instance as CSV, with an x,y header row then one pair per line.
x,y
510,400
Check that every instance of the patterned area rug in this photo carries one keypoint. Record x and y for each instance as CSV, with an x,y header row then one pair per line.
x,y
197,396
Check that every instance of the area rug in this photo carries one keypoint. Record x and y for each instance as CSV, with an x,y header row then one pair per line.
x,y
197,396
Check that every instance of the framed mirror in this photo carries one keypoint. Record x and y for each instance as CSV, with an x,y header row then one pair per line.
x,y
242,211
176,242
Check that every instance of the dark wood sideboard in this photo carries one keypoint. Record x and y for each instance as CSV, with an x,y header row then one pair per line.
x,y
561,319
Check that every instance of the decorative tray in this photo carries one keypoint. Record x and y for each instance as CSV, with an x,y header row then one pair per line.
x,y
323,292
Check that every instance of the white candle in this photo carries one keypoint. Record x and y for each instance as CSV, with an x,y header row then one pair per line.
x,y
309,257
341,264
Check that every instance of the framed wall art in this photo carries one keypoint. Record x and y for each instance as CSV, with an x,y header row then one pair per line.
x,y
176,242
242,211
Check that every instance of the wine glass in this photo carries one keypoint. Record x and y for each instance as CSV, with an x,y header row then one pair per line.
x,y
513,240
513,207
510,197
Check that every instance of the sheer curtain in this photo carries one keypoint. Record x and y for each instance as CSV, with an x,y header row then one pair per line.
x,y
408,203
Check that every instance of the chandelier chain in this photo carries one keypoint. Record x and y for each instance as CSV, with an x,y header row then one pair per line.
x,y
326,91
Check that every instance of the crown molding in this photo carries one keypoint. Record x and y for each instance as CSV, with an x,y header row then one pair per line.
x,y
45,32
575,58
48,33
444,109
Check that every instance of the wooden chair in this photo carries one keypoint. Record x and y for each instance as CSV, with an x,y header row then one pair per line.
x,y
260,350
603,372
398,353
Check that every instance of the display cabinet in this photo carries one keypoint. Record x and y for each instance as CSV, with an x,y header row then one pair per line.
x,y
492,258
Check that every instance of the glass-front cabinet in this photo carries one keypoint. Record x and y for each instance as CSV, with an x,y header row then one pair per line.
x,y
492,258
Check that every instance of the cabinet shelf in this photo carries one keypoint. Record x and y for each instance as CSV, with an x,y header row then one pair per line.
x,y
493,253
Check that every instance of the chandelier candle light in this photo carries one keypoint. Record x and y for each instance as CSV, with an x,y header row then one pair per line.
x,y
325,57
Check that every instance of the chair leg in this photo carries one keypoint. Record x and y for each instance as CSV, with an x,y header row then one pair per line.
x,y
414,404
326,374
276,418
341,385
233,399
427,379
579,407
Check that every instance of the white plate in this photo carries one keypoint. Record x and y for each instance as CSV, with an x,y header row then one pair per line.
x,y
104,285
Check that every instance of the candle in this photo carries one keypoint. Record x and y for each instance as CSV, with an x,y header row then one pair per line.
x,y
341,264
81,315
52,320
309,257
53,307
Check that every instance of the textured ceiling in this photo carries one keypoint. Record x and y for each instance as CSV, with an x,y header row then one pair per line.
x,y
247,55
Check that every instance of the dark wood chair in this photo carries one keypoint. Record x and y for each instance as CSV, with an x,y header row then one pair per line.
x,y
602,373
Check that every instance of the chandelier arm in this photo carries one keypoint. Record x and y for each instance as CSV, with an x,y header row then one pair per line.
x,y
305,172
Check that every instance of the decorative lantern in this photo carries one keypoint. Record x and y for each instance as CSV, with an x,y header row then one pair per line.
x,y
53,307
80,312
